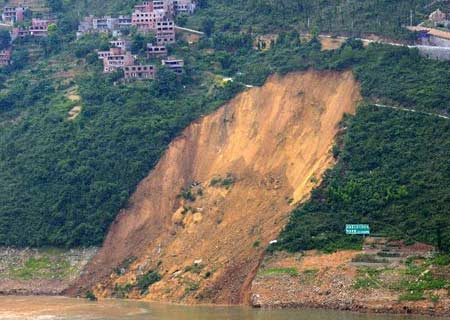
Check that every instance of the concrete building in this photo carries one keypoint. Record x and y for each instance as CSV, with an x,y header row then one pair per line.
x,y
139,72
13,14
164,5
176,65
105,24
125,45
154,50
5,57
117,59
19,33
124,22
184,6
146,6
165,32
39,27
437,16
146,21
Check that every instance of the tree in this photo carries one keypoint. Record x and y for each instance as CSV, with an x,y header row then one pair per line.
x,y
55,5
208,26
167,83
5,39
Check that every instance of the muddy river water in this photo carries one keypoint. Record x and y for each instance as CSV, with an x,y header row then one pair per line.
x,y
59,308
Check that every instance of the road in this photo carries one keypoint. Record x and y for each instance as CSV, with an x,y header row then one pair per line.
x,y
412,110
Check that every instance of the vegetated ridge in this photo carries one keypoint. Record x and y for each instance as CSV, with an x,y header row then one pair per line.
x,y
198,225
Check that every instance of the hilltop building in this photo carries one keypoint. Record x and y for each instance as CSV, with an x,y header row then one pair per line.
x,y
39,27
13,14
184,6
5,57
117,59
176,65
155,50
437,16
439,19
165,32
139,72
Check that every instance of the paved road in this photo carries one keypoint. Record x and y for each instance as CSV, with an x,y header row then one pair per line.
x,y
412,110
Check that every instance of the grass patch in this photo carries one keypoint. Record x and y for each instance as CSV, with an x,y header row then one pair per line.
x,y
43,268
368,278
412,296
275,271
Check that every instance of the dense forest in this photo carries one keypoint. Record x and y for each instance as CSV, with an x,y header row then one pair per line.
x,y
343,17
63,181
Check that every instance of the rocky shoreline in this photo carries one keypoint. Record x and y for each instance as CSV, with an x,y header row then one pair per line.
x,y
47,271
333,281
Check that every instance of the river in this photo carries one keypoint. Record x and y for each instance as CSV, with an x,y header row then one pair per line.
x,y
59,308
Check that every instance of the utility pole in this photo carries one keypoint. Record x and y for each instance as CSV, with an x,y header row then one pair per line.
x,y
411,18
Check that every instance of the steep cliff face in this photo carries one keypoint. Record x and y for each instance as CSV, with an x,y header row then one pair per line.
x,y
223,190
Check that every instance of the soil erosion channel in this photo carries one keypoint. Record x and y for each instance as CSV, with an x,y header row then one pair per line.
x,y
222,191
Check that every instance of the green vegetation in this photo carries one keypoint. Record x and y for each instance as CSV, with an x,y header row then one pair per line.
x,y
384,177
192,286
62,181
194,268
382,17
226,182
45,267
146,280
279,271
417,279
123,267
368,278
122,291
90,296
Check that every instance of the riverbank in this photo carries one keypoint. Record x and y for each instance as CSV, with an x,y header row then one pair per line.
x,y
46,271
353,281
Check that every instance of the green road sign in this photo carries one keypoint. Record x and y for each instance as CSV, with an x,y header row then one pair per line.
x,y
357,229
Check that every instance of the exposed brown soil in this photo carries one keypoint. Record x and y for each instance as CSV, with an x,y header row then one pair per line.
x,y
246,164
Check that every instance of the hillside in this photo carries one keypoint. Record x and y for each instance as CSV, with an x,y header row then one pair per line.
x,y
223,190
186,179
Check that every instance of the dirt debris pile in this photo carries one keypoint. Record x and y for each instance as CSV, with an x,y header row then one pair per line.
x,y
222,191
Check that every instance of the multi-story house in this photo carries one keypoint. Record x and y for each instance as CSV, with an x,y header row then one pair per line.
x,y
124,22
19,33
118,59
146,21
146,6
5,57
184,6
154,50
125,45
165,31
176,65
13,14
39,27
104,24
166,6
139,72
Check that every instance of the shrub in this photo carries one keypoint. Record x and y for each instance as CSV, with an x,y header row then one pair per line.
x,y
146,280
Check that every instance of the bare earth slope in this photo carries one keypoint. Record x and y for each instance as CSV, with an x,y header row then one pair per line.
x,y
242,168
